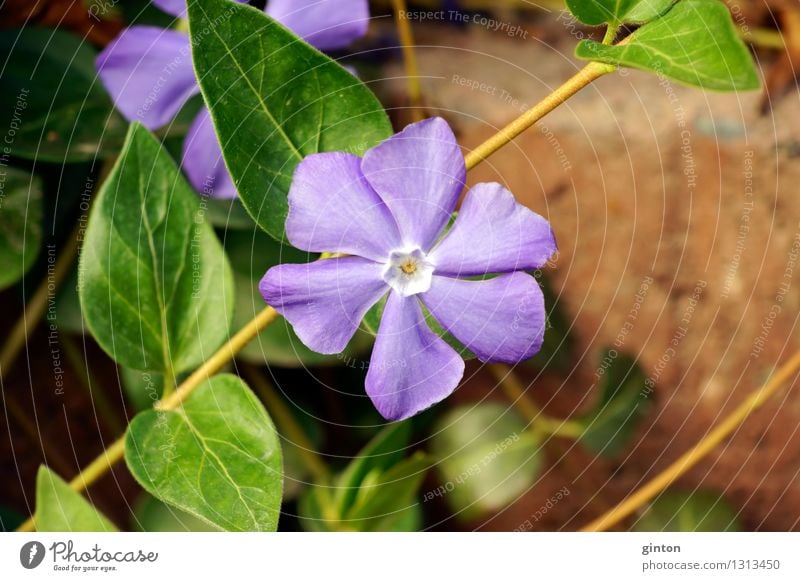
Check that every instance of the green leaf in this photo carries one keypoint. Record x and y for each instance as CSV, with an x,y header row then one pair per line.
x,y
20,223
274,100
699,511
59,509
485,459
51,100
647,10
153,516
376,492
155,286
217,457
384,503
695,43
385,450
623,403
595,12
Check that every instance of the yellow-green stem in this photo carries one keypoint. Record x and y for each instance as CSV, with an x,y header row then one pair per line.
x,y
763,38
539,423
585,76
699,451
287,425
409,59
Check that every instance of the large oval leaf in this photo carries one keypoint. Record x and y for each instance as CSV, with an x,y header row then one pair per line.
x,y
155,285
51,100
20,223
274,99
696,43
217,457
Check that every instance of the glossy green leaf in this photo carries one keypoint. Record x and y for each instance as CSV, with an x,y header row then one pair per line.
x,y
595,12
696,43
155,285
623,403
154,516
59,509
51,102
485,459
20,223
274,100
699,511
217,457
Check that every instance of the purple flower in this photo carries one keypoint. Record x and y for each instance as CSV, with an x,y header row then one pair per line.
x,y
388,211
148,72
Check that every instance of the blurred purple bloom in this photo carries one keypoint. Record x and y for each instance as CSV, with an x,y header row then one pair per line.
x,y
388,211
148,72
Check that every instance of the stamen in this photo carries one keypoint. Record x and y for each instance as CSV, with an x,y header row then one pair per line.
x,y
409,266
408,271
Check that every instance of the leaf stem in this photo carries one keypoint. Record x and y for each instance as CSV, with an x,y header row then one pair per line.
x,y
763,37
287,424
611,33
409,59
589,73
699,451
539,423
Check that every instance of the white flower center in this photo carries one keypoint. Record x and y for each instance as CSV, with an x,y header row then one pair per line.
x,y
408,272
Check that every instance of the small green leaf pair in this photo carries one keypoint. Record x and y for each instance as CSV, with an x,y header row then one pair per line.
x,y
693,42
376,492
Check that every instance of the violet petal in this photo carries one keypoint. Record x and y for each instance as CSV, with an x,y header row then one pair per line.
x,y
333,208
411,367
419,173
202,159
148,72
500,319
325,24
324,300
493,233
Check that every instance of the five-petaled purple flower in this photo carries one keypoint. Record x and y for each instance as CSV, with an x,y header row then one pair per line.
x,y
388,211
148,71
